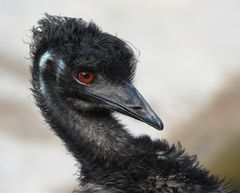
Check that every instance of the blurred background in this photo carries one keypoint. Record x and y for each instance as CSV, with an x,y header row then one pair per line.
x,y
189,71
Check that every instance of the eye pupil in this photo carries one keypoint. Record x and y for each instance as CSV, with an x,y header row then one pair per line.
x,y
86,77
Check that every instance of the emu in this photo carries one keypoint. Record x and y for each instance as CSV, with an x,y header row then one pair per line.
x,y
80,76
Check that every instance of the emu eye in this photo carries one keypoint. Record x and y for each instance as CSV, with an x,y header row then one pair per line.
x,y
85,77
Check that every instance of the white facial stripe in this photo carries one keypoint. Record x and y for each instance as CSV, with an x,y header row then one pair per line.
x,y
61,64
44,58
42,67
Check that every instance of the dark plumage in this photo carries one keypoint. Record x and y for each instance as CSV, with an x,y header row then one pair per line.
x,y
66,53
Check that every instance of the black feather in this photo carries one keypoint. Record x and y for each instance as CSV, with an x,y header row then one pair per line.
x,y
77,38
112,161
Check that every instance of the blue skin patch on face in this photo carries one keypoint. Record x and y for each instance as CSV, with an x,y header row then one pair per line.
x,y
42,67
61,64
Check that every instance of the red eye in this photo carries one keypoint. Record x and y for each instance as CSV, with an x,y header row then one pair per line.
x,y
85,77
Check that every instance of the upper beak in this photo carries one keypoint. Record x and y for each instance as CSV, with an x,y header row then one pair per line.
x,y
127,100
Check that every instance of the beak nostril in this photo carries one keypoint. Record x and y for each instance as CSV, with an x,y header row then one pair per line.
x,y
136,107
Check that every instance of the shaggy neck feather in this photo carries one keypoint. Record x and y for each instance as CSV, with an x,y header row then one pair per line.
x,y
87,137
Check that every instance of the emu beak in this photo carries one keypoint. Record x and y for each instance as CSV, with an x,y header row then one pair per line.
x,y
127,100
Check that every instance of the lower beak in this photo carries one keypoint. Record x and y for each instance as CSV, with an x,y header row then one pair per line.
x,y
127,100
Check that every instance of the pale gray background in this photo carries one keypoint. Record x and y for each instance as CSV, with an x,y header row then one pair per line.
x,y
189,71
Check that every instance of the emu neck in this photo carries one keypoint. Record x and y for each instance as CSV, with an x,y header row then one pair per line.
x,y
88,137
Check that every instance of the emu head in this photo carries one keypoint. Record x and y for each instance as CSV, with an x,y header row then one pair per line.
x,y
77,64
